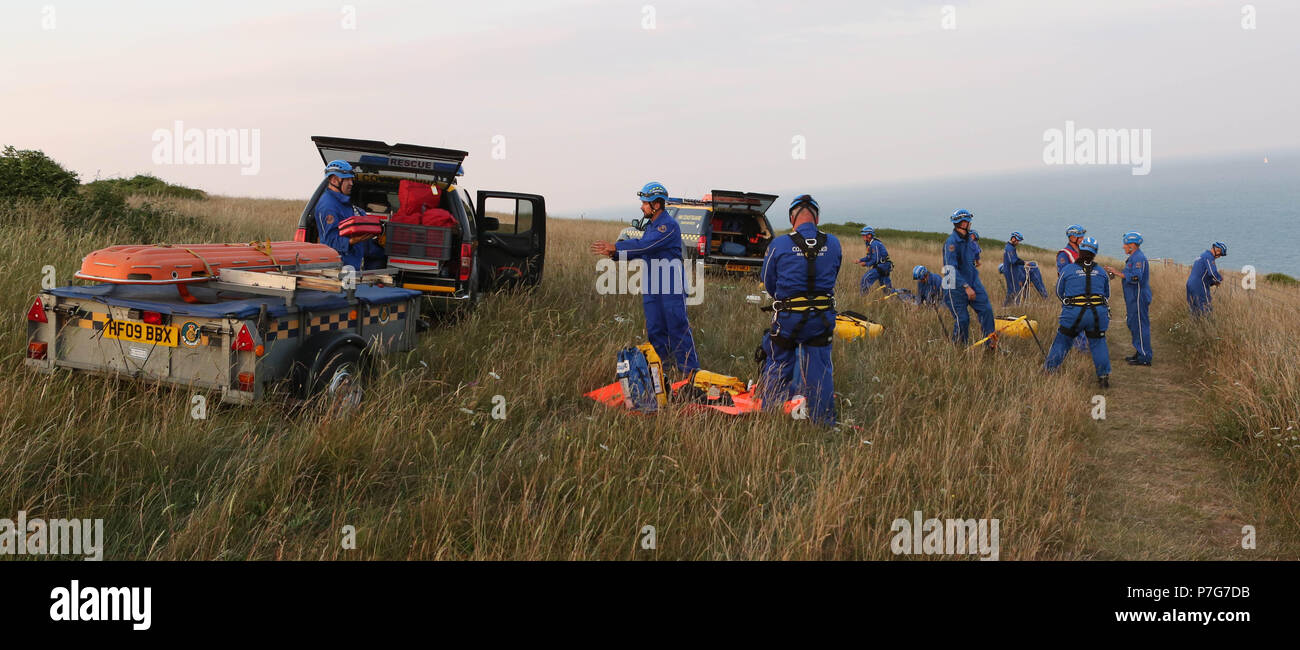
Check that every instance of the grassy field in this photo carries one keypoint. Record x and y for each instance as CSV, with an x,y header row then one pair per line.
x,y
423,472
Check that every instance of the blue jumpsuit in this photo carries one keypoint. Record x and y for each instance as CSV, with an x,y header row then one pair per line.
x,y
785,276
331,209
878,266
1065,257
1092,321
663,296
959,253
1137,303
1205,274
1013,271
1036,278
928,290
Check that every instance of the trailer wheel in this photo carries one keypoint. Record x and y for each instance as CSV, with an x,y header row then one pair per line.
x,y
342,384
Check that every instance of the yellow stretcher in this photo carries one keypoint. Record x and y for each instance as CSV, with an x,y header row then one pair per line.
x,y
1018,327
851,326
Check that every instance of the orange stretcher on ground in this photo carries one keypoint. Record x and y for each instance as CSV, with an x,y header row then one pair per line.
x,y
732,398
185,263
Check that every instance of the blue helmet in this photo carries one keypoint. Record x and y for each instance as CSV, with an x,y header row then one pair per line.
x,y
652,191
340,168
1075,231
919,272
1017,236
1088,244
867,230
960,216
805,200
1133,237
1223,248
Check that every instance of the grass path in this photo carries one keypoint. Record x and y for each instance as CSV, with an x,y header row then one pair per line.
x,y
1160,491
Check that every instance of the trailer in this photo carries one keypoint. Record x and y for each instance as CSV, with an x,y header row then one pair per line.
x,y
245,334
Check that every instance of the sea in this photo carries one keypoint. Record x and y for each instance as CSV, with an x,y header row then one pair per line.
x,y
1251,202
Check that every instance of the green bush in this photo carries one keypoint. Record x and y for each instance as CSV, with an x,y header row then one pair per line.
x,y
102,208
149,185
1282,279
30,174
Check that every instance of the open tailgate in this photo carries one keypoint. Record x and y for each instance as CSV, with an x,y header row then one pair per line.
x,y
430,163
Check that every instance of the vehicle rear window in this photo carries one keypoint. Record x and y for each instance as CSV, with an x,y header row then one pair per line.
x,y
691,219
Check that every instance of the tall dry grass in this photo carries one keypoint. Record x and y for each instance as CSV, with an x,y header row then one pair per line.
x,y
935,429
1250,349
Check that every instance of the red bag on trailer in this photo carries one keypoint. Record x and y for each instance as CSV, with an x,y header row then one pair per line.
x,y
362,224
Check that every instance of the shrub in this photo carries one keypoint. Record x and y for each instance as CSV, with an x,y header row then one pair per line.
x,y
146,184
102,208
1282,279
30,174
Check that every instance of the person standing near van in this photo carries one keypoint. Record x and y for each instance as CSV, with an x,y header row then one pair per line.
x,y
335,205
664,295
799,272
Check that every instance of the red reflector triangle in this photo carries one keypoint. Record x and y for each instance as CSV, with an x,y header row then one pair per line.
x,y
37,312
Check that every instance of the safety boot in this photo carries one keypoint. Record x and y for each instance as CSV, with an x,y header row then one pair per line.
x,y
1104,380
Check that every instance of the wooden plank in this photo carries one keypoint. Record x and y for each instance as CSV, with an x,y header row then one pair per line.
x,y
268,280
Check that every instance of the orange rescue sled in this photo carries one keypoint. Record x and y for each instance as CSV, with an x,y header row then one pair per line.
x,y
185,263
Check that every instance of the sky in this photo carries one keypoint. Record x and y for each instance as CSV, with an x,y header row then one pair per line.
x,y
584,102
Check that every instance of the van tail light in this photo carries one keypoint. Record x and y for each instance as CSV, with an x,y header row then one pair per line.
x,y
37,313
37,350
466,251
300,235
246,381
152,318
699,245
243,341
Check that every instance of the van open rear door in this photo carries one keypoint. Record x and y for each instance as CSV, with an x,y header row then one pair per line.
x,y
512,237
420,163
729,201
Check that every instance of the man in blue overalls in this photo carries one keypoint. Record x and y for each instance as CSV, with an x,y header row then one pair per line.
x,y
877,262
927,285
799,273
1137,299
1084,289
335,205
1013,270
1066,256
664,295
1205,274
966,290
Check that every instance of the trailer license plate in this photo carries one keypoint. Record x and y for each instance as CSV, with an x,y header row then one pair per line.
x,y
134,332
739,267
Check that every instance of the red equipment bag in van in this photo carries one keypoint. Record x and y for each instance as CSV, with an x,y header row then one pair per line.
x,y
413,198
437,217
